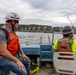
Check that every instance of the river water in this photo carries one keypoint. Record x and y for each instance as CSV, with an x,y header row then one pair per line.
x,y
33,38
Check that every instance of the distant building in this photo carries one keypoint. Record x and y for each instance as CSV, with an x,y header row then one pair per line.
x,y
45,29
29,29
56,29
49,28
38,29
22,29
34,29
25,29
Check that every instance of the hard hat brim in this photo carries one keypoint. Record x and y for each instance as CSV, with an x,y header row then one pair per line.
x,y
67,32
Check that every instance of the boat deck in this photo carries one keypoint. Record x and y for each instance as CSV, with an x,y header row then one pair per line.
x,y
42,72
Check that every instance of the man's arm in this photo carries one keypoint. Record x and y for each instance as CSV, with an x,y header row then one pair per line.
x,y
8,55
22,53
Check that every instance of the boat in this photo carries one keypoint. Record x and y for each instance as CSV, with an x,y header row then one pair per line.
x,y
41,55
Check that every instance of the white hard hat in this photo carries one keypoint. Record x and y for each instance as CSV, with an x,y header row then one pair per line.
x,y
12,16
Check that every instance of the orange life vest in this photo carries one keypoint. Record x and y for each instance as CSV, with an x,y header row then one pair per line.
x,y
65,46
13,44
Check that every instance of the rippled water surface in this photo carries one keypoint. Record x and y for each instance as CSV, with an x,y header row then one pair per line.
x,y
33,38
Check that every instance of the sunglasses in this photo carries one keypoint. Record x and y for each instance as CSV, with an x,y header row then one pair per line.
x,y
12,20
16,21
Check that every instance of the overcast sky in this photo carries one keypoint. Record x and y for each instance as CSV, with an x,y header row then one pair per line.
x,y
46,12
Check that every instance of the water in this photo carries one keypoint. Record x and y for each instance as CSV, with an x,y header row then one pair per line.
x,y
33,38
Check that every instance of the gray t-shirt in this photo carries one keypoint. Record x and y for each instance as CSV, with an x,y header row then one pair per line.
x,y
2,37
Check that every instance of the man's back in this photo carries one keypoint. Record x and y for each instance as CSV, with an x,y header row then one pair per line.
x,y
64,45
73,45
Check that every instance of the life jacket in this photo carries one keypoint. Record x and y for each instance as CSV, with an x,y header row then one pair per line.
x,y
13,44
64,45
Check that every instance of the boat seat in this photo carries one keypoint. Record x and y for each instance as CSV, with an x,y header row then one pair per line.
x,y
46,53
65,62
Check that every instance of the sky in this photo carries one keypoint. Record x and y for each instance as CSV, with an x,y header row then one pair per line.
x,y
43,12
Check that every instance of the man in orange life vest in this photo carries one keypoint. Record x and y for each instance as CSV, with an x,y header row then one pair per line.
x,y
9,48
